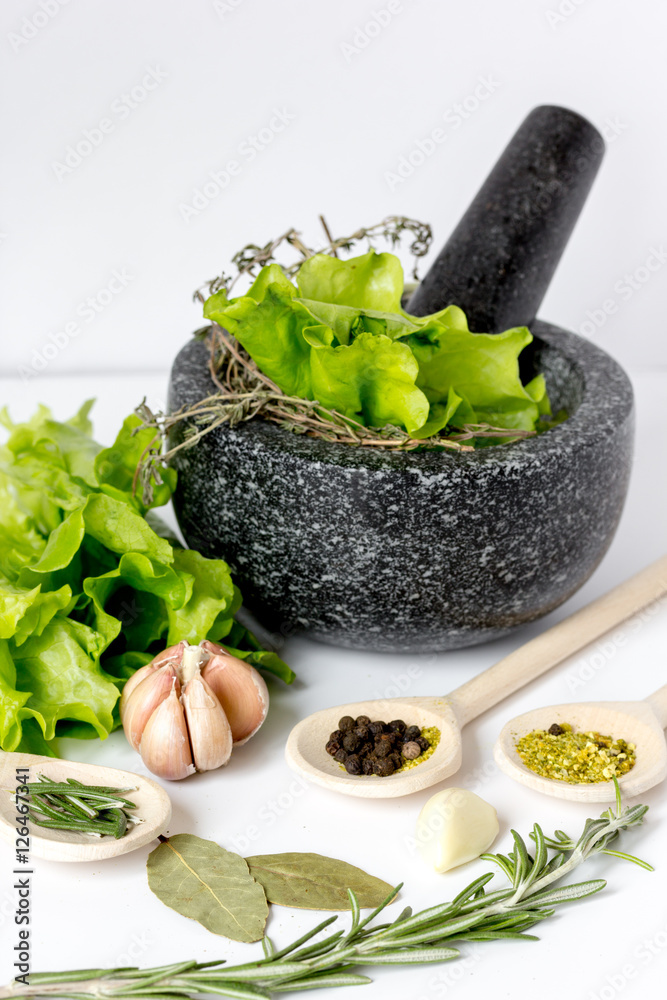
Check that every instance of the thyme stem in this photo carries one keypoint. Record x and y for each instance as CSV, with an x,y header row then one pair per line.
x,y
244,392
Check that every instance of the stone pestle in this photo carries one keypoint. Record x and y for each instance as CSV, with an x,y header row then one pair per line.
x,y
499,261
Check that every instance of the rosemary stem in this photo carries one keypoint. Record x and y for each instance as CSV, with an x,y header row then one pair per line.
x,y
420,938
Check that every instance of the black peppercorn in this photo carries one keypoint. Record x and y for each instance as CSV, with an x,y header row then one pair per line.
x,y
411,750
353,764
375,747
556,730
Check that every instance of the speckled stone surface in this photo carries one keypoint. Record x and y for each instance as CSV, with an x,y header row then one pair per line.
x,y
498,262
414,551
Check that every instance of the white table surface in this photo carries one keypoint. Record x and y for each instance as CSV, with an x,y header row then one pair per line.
x,y
611,945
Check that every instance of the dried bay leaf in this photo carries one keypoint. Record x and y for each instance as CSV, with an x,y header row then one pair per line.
x,y
203,881
315,882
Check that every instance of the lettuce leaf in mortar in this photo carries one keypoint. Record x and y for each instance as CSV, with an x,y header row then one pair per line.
x,y
341,337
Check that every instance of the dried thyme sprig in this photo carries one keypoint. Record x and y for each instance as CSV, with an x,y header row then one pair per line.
x,y
474,915
244,392
252,256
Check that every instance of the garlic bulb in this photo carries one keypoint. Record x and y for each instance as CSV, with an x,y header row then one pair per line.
x,y
455,826
187,708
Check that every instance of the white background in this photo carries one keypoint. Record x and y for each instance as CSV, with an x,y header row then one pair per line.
x,y
356,113
360,103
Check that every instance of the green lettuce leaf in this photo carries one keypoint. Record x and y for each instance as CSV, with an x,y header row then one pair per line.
x,y
212,594
371,379
119,528
12,702
36,613
271,328
116,467
342,338
483,371
60,670
92,586
372,281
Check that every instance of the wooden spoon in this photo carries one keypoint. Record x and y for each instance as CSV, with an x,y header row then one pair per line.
x,y
305,751
152,802
638,722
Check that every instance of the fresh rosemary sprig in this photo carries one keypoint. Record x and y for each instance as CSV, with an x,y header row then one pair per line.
x,y
474,915
70,805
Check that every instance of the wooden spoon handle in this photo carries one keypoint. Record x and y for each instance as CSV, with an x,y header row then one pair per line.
x,y
658,702
557,643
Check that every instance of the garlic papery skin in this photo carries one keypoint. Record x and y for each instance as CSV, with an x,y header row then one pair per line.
x,y
192,659
240,689
209,730
187,708
455,826
165,744
144,698
171,655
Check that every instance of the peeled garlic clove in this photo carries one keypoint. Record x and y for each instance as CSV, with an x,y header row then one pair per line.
x,y
172,655
136,710
165,746
210,733
455,826
241,691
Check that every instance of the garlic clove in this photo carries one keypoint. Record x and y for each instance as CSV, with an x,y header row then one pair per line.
x,y
133,682
172,655
210,733
241,691
136,710
192,659
165,746
455,826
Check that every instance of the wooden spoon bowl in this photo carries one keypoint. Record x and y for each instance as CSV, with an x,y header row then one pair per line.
x,y
305,750
306,747
638,722
152,802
